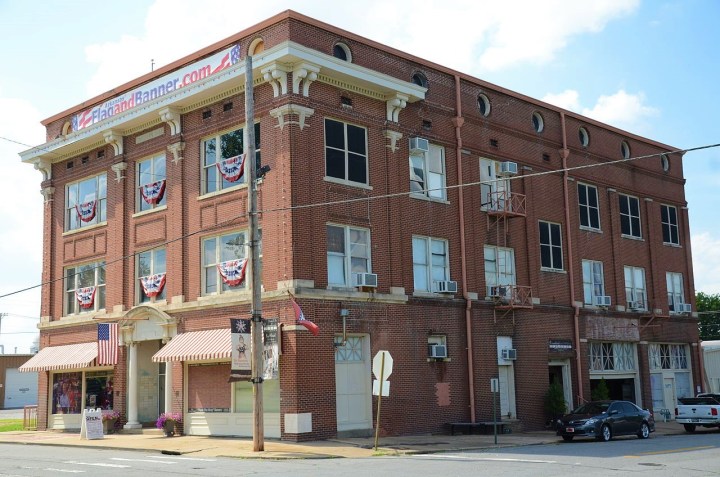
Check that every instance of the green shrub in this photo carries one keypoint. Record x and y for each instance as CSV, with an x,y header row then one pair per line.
x,y
601,391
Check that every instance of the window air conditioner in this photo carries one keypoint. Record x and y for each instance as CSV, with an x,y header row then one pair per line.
x,y
445,286
508,168
419,145
509,354
684,308
502,292
603,300
437,351
368,280
636,305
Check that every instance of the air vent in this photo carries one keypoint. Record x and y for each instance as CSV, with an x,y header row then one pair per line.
x,y
227,107
207,114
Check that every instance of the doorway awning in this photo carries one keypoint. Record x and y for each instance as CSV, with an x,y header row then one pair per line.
x,y
197,345
51,358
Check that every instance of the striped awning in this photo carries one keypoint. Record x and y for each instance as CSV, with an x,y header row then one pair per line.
x,y
197,345
50,358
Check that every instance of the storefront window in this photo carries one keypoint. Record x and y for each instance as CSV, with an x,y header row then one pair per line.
x,y
99,389
66,397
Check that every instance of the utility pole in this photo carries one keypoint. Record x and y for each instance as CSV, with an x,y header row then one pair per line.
x,y
255,304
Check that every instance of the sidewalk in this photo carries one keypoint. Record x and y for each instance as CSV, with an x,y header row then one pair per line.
x,y
242,447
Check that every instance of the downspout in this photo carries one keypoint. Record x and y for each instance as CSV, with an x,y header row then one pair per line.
x,y
458,122
564,153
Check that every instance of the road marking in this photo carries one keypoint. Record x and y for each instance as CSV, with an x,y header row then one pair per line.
x,y
143,460
66,470
98,464
494,459
672,451
180,458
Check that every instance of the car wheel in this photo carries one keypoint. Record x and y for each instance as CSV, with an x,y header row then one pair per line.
x,y
605,433
567,438
689,427
644,431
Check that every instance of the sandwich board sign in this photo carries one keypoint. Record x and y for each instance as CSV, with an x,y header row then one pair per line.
x,y
91,426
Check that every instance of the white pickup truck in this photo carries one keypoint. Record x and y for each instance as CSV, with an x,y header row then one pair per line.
x,y
703,410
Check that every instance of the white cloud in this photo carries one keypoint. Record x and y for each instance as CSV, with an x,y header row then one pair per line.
x,y
621,109
568,99
706,262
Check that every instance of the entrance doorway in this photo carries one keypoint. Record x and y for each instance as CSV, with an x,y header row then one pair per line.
x,y
559,373
352,386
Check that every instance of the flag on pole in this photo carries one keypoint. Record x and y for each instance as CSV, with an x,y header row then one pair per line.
x,y
300,317
107,343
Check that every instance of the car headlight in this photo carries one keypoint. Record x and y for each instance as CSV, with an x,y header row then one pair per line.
x,y
591,421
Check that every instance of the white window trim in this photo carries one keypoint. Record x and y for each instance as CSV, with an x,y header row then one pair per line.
x,y
220,291
427,191
676,293
203,168
497,280
77,311
345,180
347,255
670,225
428,265
139,201
588,209
153,271
101,202
591,280
630,217
562,258
634,288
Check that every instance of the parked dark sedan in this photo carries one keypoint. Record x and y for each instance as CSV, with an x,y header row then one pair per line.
x,y
604,420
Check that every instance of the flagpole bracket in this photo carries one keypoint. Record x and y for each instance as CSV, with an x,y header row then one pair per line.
x,y
256,318
258,380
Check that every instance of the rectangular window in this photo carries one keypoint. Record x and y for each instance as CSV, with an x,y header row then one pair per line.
x,y
427,173
670,225
593,280
67,393
635,290
223,259
667,356
630,216
85,288
494,189
99,389
612,356
219,171
151,276
550,246
589,207
86,202
346,152
348,252
150,183
675,292
499,267
430,262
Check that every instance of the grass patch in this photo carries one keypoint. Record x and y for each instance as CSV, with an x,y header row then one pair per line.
x,y
7,425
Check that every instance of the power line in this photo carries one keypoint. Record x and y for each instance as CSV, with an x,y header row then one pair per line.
x,y
376,197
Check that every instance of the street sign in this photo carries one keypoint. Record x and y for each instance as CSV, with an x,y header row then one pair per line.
x,y
494,385
385,388
382,368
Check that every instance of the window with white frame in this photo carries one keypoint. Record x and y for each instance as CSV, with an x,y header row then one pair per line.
x,y
635,290
612,356
224,263
589,207
494,188
675,293
151,183
346,152
499,268
667,356
630,216
593,280
550,246
670,229
430,262
85,288
427,173
348,252
223,158
86,202
151,267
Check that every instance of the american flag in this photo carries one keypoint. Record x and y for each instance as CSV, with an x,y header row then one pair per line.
x,y
107,343
300,317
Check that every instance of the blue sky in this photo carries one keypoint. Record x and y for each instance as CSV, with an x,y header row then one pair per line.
x,y
649,67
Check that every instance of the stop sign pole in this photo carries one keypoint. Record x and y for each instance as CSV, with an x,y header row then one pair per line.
x,y
381,373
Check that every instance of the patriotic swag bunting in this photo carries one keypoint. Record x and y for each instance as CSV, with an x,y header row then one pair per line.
x,y
86,211
153,193
86,296
233,271
153,284
233,168
300,317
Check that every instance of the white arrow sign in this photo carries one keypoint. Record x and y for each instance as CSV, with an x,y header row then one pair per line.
x,y
382,365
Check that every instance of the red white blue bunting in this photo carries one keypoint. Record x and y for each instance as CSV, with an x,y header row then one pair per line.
x,y
232,169
86,211
153,284
86,296
233,271
153,193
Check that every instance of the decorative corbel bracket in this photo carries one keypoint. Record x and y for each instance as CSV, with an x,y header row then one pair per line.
x,y
394,136
47,194
395,104
45,169
304,73
115,139
118,170
172,117
176,150
276,75
285,110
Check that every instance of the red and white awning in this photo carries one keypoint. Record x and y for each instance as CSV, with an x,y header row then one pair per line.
x,y
51,358
196,346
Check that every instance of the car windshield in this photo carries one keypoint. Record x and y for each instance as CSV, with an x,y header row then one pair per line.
x,y
592,408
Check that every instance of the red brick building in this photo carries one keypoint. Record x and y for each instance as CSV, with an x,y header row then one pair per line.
x,y
473,232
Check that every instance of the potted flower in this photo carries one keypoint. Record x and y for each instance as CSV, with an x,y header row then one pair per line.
x,y
109,418
167,422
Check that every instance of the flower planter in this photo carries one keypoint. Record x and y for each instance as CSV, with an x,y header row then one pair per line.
x,y
109,426
169,428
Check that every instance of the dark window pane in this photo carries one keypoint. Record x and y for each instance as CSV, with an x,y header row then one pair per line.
x,y
357,171
672,214
544,233
557,258
334,134
635,207
555,234
674,235
666,233
594,220
664,213
335,163
625,224
624,209
356,139
592,197
636,227
545,260
231,144
257,136
582,194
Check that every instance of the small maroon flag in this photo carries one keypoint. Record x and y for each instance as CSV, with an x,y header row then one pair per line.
x,y
300,317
